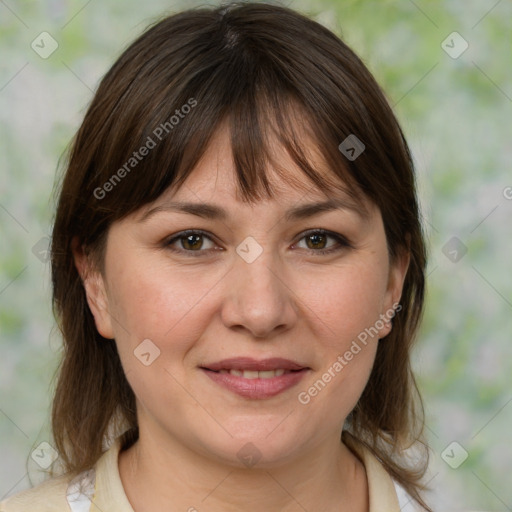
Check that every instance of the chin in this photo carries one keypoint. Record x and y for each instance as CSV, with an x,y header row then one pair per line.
x,y
254,448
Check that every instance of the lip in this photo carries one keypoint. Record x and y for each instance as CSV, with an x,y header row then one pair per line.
x,y
256,389
248,363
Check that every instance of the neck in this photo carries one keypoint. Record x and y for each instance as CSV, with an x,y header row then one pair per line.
x,y
160,473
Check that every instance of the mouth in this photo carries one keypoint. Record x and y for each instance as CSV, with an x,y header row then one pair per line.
x,y
255,379
253,374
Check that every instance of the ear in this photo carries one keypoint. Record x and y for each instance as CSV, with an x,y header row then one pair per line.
x,y
95,290
396,277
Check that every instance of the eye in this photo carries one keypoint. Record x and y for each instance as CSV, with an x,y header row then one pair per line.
x,y
191,242
316,241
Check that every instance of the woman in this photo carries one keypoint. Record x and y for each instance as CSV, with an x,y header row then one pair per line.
x,y
238,273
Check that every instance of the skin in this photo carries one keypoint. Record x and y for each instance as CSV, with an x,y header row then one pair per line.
x,y
290,302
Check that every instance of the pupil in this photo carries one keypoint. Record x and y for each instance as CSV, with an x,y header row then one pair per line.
x,y
315,238
191,237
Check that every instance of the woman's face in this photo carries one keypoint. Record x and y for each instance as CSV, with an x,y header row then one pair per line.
x,y
252,286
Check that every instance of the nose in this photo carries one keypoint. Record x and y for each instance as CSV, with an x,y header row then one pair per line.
x,y
258,297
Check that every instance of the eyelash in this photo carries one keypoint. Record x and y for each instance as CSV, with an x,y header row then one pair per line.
x,y
342,241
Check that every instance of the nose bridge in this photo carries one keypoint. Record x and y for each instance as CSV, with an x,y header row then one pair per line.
x,y
258,298
257,270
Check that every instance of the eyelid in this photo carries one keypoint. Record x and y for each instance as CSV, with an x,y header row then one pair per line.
x,y
343,241
182,234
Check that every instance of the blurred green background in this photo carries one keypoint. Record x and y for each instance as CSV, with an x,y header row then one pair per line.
x,y
455,108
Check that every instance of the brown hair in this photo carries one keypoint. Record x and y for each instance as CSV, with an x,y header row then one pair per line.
x,y
257,67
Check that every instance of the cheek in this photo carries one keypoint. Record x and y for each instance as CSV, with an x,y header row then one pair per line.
x,y
156,303
162,304
346,301
166,308
347,305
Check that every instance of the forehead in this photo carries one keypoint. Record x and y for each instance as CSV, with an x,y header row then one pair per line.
x,y
214,181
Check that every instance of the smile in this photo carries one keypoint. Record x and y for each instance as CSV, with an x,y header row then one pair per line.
x,y
251,374
254,379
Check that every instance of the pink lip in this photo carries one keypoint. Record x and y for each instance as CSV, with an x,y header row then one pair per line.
x,y
256,388
248,363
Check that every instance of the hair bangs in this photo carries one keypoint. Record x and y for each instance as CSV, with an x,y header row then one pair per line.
x,y
236,85
266,121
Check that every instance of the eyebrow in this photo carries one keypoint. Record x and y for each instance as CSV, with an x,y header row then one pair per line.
x,y
214,212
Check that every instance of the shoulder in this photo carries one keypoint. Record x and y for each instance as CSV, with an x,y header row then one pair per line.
x,y
57,494
380,482
49,496
407,503
75,492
